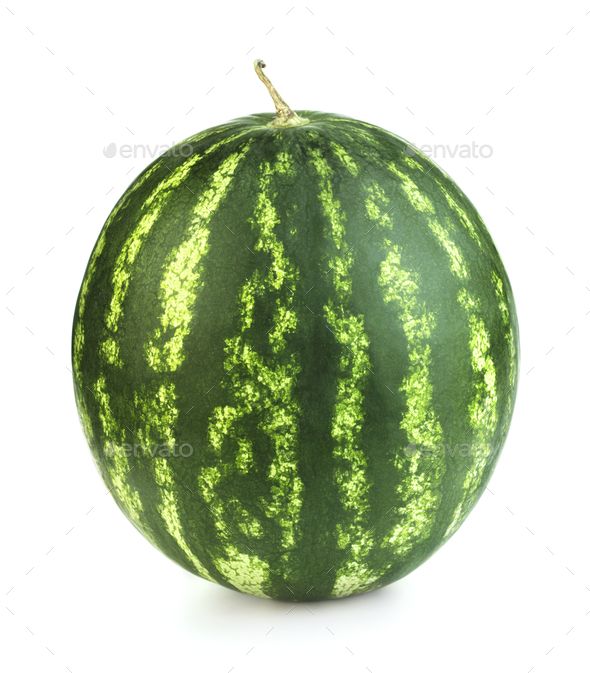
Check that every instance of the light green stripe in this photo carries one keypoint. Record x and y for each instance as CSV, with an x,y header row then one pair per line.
x,y
422,203
345,158
83,414
79,335
509,330
178,293
122,270
347,419
359,129
423,460
280,424
483,415
355,536
461,213
483,406
264,387
100,244
284,164
245,571
117,462
181,280
168,509
377,207
452,202
158,414
123,267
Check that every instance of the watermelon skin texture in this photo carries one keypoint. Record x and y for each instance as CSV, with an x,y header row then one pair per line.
x,y
295,356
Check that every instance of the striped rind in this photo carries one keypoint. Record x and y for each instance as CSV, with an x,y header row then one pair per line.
x,y
260,388
354,533
181,277
422,466
295,356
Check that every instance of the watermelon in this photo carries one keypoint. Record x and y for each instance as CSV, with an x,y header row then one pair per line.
x,y
295,355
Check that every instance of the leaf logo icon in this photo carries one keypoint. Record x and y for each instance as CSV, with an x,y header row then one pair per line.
x,y
110,150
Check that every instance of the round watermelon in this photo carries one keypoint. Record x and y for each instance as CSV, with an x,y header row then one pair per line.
x,y
295,355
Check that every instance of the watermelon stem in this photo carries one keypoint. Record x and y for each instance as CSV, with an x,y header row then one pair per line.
x,y
285,116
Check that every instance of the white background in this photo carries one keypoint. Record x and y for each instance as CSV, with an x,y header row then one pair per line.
x,y
80,590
